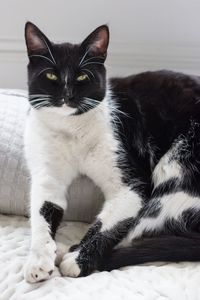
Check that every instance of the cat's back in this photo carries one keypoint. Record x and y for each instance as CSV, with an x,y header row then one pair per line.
x,y
166,93
160,106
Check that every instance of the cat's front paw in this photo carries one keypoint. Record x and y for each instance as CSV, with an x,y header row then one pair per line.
x,y
69,266
40,264
78,263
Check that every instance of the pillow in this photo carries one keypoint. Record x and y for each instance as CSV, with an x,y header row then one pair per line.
x,y
84,200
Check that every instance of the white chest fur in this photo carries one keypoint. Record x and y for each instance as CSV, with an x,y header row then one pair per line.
x,y
81,143
59,147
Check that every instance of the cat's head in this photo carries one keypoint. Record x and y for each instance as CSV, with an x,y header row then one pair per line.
x,y
66,78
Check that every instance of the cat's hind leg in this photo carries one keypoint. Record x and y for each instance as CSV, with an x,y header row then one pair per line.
x,y
172,216
168,230
176,191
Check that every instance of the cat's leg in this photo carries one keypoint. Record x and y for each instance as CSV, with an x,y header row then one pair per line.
x,y
48,202
175,204
111,226
169,213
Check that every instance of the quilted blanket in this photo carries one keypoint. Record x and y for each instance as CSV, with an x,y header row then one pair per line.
x,y
161,282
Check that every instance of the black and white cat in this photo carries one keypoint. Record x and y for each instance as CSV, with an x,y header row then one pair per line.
x,y
137,138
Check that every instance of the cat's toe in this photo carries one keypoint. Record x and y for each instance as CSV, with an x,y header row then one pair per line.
x,y
38,268
69,266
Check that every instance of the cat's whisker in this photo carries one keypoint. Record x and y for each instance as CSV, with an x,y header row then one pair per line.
x,y
117,120
42,56
49,51
38,95
93,100
92,106
92,63
119,111
40,106
89,72
91,58
39,100
87,76
198,100
38,74
114,110
88,105
84,103
90,102
36,98
82,59
83,107
43,104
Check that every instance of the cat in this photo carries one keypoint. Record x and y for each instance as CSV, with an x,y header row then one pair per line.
x,y
137,138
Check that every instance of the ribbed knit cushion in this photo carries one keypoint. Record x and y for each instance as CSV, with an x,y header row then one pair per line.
x,y
84,198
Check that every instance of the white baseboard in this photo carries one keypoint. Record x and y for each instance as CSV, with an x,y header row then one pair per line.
x,y
123,59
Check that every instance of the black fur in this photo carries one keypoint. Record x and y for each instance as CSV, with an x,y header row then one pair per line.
x,y
53,215
166,248
93,248
93,230
67,59
162,107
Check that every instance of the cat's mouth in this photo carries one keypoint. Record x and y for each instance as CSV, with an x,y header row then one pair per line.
x,y
68,108
61,107
62,110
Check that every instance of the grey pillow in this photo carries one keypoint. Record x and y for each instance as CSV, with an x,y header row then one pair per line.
x,y
84,199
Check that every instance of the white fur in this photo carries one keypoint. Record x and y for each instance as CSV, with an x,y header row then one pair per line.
x,y
173,205
124,205
59,146
68,266
166,169
40,261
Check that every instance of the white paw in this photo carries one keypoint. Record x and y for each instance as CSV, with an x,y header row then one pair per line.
x,y
60,252
69,266
40,263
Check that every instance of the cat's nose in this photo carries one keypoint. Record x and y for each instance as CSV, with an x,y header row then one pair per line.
x,y
68,95
67,99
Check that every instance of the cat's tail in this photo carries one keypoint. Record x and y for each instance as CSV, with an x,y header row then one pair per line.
x,y
162,249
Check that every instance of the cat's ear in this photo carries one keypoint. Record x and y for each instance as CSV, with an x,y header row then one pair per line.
x,y
97,42
36,41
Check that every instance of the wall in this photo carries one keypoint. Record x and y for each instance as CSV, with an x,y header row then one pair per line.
x,y
145,34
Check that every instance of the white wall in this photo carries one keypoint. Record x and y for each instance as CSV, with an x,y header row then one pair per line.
x,y
145,34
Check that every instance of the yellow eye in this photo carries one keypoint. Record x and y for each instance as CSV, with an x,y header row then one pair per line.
x,y
51,76
82,77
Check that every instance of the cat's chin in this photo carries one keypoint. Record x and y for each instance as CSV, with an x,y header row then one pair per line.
x,y
63,110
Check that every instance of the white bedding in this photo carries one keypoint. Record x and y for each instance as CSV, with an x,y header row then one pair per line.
x,y
166,281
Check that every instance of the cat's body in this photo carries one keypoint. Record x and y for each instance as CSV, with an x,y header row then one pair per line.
x,y
139,141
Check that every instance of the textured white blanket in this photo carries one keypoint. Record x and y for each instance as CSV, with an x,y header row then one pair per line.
x,y
166,281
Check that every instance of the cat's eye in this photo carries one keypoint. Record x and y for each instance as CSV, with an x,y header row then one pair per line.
x,y
82,77
51,76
